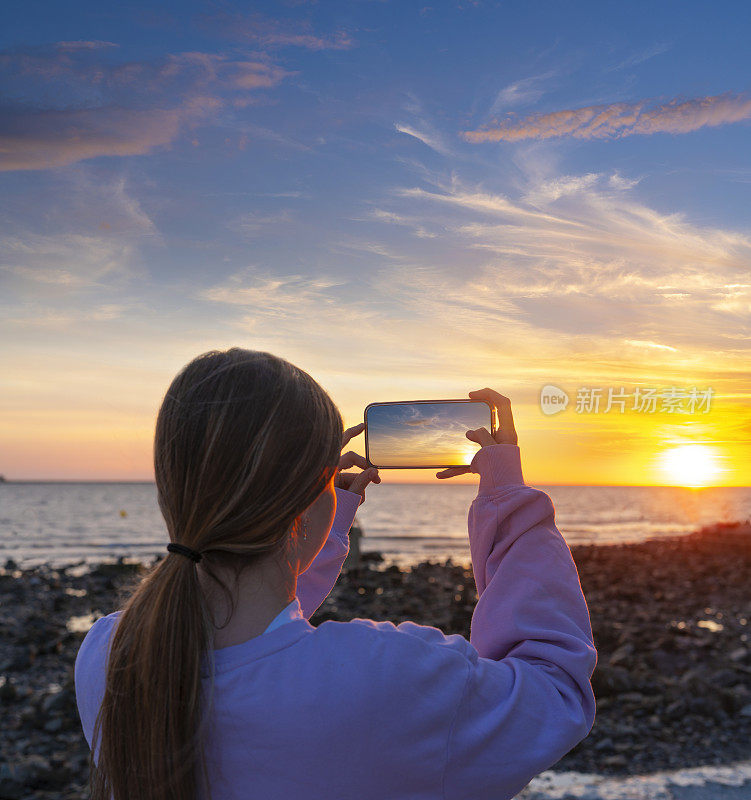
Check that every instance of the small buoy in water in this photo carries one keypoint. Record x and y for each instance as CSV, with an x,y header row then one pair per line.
x,y
123,512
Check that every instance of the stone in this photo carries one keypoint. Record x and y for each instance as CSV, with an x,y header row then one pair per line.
x,y
8,691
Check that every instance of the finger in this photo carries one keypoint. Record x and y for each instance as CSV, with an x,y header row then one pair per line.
x,y
506,433
482,436
451,471
350,433
362,479
345,479
352,459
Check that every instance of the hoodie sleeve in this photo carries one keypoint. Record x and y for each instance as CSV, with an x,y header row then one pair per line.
x,y
527,698
90,673
314,585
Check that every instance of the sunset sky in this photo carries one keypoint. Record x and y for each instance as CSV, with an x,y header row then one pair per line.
x,y
409,201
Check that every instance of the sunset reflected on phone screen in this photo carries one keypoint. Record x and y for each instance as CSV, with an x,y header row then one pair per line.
x,y
424,434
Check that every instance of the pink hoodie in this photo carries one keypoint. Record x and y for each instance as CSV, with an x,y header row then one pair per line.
x,y
372,710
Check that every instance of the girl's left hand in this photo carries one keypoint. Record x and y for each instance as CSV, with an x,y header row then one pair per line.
x,y
355,481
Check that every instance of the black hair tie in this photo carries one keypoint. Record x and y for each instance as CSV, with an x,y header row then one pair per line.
x,y
184,550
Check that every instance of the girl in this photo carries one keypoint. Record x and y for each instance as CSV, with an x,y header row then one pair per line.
x,y
212,683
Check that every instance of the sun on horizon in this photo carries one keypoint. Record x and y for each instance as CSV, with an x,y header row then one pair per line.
x,y
692,465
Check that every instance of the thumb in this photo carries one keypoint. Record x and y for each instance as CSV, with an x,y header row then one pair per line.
x,y
482,436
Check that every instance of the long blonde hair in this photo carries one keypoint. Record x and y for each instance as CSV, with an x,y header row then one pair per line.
x,y
244,442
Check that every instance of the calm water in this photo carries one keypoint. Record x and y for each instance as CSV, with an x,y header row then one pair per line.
x,y
65,523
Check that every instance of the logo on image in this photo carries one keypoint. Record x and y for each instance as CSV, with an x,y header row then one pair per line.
x,y
552,399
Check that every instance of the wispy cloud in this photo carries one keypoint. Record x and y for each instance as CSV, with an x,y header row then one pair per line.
x,y
49,270
419,125
621,119
253,131
254,223
324,319
89,240
272,33
652,345
641,56
85,45
414,225
573,275
34,315
582,257
274,295
429,138
526,90
370,247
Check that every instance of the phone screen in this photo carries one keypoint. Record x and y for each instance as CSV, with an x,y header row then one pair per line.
x,y
426,434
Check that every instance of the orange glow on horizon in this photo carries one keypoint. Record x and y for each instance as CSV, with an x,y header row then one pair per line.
x,y
98,424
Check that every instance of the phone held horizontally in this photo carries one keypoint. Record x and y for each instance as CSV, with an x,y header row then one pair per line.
x,y
424,434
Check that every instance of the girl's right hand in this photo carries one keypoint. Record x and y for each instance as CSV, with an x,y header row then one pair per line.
x,y
506,433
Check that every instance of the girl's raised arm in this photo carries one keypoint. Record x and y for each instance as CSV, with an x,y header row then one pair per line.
x,y
315,584
527,699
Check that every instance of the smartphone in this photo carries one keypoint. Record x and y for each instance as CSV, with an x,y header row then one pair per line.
x,y
424,434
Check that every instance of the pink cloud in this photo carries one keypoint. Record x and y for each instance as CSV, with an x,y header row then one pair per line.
x,y
80,44
93,107
44,139
621,119
270,33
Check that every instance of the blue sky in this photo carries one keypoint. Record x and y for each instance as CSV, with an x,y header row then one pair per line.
x,y
407,200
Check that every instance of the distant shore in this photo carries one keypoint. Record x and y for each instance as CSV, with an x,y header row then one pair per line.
x,y
671,619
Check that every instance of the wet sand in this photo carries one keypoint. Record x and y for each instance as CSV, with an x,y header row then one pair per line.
x,y
671,620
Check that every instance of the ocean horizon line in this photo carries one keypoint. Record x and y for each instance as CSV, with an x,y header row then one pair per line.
x,y
143,482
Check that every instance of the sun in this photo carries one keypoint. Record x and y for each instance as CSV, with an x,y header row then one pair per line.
x,y
691,465
468,452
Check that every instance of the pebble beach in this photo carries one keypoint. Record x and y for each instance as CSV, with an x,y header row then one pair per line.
x,y
671,619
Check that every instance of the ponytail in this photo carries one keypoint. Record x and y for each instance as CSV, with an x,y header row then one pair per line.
x,y
244,443
152,701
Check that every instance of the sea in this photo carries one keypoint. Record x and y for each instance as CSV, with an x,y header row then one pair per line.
x,y
70,523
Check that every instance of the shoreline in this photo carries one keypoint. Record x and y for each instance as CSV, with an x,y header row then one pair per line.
x,y
671,619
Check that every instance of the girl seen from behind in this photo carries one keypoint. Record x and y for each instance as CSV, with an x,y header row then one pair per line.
x,y
211,682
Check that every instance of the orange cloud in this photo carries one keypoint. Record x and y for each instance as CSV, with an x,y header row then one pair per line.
x,y
621,119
